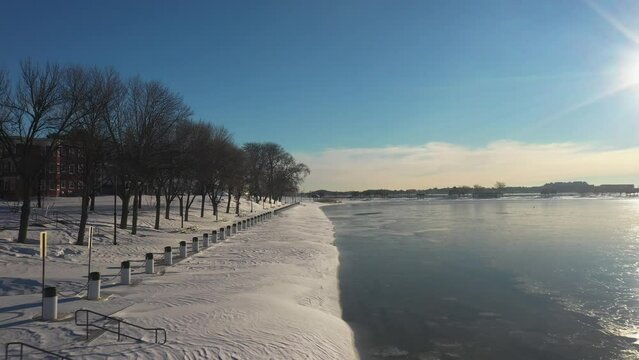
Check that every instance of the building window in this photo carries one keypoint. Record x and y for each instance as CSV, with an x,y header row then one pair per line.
x,y
51,185
71,185
72,169
63,184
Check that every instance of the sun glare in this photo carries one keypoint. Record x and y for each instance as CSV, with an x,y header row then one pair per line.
x,y
628,71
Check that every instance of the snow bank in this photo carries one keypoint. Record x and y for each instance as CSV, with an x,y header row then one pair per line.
x,y
269,292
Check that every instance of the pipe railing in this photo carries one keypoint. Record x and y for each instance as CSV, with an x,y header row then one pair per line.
x,y
120,322
21,354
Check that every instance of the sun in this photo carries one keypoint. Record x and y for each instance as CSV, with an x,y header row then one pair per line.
x,y
628,71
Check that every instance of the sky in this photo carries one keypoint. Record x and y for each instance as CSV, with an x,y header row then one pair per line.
x,y
378,94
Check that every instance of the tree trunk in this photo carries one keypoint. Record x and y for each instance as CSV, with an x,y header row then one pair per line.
x,y
140,199
187,208
167,209
228,202
124,214
134,220
84,215
181,211
237,207
203,201
158,206
25,212
92,206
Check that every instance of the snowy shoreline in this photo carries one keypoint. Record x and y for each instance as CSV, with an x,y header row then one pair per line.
x,y
270,292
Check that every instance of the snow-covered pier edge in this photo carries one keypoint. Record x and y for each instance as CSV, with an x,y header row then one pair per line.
x,y
270,292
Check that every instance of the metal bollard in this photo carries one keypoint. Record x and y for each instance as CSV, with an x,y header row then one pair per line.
x,y
168,255
196,245
214,236
234,228
243,224
222,234
125,273
205,240
150,265
49,304
183,249
228,230
94,286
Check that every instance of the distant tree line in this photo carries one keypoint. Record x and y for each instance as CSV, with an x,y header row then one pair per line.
x,y
139,136
572,187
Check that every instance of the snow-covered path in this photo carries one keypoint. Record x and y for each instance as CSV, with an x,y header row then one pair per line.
x,y
270,292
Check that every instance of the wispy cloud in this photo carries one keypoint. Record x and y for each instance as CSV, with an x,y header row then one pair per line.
x,y
439,164
614,22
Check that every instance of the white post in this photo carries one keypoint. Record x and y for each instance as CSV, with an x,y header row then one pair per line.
x,y
168,256
205,240
94,286
183,249
150,265
125,273
50,304
196,245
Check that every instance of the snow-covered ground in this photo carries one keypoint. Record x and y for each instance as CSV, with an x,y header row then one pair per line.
x,y
269,292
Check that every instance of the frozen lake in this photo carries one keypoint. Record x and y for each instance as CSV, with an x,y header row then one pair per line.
x,y
490,279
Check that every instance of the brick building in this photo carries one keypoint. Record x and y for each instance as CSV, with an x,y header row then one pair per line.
x,y
61,175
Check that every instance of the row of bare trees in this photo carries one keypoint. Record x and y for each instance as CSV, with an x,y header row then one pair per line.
x,y
136,135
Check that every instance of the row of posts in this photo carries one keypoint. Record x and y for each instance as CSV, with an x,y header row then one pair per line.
x,y
50,296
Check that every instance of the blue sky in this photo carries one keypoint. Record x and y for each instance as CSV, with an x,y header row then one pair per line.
x,y
319,75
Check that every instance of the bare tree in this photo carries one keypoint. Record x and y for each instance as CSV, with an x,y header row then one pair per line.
x,y
237,176
104,92
271,171
195,140
219,165
149,113
255,169
45,104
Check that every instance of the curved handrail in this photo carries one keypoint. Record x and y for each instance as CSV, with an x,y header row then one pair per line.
x,y
120,322
22,345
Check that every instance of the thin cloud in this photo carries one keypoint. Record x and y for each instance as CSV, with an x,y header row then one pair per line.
x,y
614,22
439,164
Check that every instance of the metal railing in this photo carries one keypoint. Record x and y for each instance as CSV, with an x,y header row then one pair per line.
x,y
120,322
21,354
285,207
